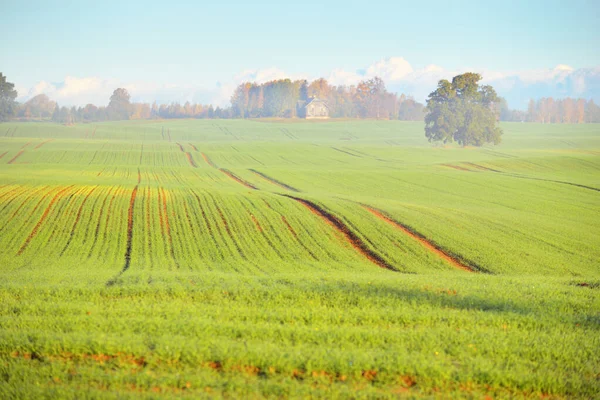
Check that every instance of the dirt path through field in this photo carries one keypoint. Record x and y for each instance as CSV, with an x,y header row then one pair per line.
x,y
274,181
421,239
238,179
352,238
12,160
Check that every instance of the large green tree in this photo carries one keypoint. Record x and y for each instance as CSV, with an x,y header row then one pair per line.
x,y
8,94
119,107
462,111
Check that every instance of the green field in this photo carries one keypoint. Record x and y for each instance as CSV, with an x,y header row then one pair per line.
x,y
275,259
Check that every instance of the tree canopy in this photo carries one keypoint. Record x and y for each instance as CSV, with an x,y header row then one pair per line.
x,y
119,107
8,94
462,111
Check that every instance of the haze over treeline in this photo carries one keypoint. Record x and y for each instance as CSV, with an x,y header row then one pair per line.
x,y
284,98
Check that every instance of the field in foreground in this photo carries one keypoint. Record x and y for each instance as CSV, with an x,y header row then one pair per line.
x,y
348,259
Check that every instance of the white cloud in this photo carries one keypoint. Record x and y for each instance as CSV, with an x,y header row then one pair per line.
x,y
390,69
340,77
517,86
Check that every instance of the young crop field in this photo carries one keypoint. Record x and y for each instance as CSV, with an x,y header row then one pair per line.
x,y
340,259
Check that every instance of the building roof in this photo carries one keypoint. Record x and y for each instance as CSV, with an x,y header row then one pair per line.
x,y
316,100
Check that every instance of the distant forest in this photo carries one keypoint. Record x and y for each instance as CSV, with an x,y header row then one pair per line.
x,y
285,98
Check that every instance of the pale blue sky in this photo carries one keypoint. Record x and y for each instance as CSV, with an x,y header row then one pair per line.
x,y
206,44
198,42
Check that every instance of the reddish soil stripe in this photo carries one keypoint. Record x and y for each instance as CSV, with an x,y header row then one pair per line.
x,y
25,145
456,167
15,157
160,213
481,167
129,245
191,160
77,218
238,179
292,231
26,200
354,240
208,161
167,224
97,231
228,229
193,147
181,148
56,197
274,181
455,262
129,230
256,223
12,196
43,143
3,154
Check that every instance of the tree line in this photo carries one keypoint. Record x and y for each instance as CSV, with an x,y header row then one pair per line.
x,y
285,98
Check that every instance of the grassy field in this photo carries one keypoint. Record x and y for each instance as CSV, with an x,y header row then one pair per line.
x,y
275,259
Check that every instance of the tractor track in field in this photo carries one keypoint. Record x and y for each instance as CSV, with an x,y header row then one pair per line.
x,y
129,245
227,228
193,147
274,181
43,143
3,154
209,161
261,229
77,219
456,167
191,159
357,243
256,223
97,230
238,179
167,223
346,152
515,175
36,228
229,173
428,244
553,181
291,229
482,168
19,154
148,217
